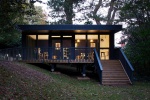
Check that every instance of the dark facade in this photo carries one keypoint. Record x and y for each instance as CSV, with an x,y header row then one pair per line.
x,y
100,37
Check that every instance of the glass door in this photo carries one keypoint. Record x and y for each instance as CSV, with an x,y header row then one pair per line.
x,y
66,45
104,47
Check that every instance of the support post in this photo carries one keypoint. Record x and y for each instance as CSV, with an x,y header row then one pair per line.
x,y
84,70
52,67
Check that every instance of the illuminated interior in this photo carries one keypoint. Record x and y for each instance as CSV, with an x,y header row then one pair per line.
x,y
104,47
100,42
80,40
104,54
92,40
104,41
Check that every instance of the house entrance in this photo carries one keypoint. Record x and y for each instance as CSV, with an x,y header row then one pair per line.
x,y
104,47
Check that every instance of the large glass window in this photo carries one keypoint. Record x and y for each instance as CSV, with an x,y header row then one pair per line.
x,y
104,54
42,41
80,40
92,40
104,41
104,47
30,51
30,42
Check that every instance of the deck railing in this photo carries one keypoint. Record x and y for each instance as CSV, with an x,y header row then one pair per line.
x,y
126,64
98,65
64,54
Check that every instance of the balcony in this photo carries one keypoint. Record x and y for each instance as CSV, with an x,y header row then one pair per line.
x,y
49,55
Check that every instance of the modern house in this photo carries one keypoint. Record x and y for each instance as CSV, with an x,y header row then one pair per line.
x,y
85,44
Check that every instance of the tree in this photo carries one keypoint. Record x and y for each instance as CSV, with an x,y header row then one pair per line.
x,y
103,11
39,16
67,11
136,13
12,13
62,10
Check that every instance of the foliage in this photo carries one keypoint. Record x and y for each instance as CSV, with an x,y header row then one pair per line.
x,y
102,11
38,17
136,12
87,11
137,49
62,10
14,12
137,15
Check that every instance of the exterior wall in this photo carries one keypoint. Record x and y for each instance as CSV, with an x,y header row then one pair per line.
x,y
70,42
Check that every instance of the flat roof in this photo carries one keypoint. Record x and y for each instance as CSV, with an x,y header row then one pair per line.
x,y
50,28
70,27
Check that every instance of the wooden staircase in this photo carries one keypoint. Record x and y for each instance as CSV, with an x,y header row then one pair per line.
x,y
113,73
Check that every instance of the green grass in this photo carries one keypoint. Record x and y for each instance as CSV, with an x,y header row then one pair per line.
x,y
62,87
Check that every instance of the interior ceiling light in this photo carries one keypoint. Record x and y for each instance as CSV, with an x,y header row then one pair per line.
x,y
55,36
78,40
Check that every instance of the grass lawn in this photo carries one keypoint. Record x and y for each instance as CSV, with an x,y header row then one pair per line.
x,y
28,82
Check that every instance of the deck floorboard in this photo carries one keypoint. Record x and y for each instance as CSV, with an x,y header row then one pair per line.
x,y
57,61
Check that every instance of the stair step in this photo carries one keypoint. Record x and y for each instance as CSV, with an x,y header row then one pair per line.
x,y
112,69
114,78
116,83
113,73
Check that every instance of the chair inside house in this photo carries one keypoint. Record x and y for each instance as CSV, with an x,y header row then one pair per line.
x,y
45,55
82,55
103,55
91,56
40,55
54,57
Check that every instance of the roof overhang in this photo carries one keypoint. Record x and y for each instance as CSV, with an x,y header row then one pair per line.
x,y
70,28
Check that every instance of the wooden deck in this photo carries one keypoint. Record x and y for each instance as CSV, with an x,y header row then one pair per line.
x,y
57,61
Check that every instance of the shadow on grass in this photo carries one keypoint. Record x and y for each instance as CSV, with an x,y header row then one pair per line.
x,y
69,70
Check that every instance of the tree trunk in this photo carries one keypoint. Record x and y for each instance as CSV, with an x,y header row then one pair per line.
x,y
109,22
68,8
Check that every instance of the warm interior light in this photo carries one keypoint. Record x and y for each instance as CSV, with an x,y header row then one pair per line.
x,y
91,40
92,31
55,36
80,31
32,36
42,37
81,37
78,40
67,36
76,44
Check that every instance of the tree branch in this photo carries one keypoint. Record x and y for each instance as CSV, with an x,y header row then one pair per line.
x,y
96,10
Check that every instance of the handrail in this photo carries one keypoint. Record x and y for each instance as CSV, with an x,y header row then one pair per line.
x,y
98,65
127,60
126,64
